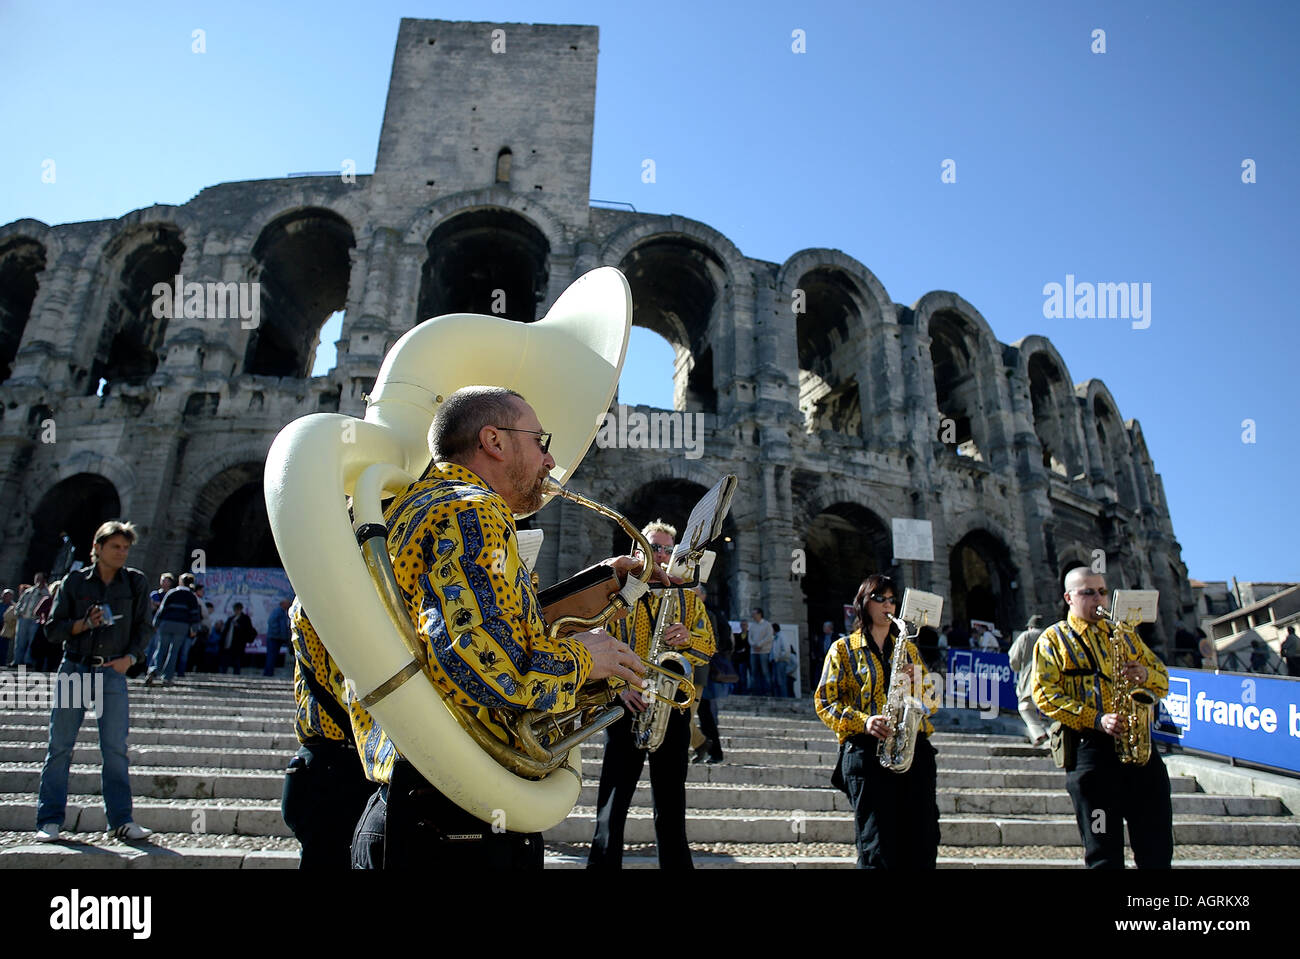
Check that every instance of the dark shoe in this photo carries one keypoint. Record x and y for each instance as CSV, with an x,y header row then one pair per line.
x,y
149,680
702,751
714,760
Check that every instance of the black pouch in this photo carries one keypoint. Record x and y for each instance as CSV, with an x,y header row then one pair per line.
x,y
1065,744
837,777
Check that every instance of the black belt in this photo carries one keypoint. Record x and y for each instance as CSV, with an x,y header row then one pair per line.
x,y
85,659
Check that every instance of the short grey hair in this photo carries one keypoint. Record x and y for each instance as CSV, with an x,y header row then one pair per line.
x,y
453,434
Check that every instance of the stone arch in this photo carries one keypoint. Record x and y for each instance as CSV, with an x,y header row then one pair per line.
x,y
488,260
836,307
1055,408
843,543
76,504
981,571
350,206
1112,440
228,520
535,213
142,256
22,258
965,357
302,261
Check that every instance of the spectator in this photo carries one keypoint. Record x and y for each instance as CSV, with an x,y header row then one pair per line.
x,y
177,619
760,653
1291,651
28,602
277,634
784,659
740,658
238,634
9,618
166,583
1022,662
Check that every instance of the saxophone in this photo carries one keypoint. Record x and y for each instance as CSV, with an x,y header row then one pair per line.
x,y
650,725
1131,703
903,710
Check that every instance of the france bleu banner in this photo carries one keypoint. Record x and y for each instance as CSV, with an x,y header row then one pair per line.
x,y
1250,717
979,672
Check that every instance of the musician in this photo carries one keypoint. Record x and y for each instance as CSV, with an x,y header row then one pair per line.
x,y
693,637
895,815
325,787
455,556
1073,674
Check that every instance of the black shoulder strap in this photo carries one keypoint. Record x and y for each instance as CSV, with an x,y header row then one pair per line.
x,y
1087,651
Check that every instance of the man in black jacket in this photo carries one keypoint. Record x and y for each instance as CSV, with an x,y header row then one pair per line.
x,y
177,618
101,620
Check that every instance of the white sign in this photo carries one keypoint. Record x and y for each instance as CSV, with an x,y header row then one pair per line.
x,y
913,539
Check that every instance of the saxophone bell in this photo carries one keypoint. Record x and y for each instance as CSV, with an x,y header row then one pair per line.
x,y
1132,703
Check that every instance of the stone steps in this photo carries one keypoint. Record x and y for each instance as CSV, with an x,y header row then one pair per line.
x,y
207,762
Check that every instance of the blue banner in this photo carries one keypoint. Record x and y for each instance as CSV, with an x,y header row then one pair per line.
x,y
1250,717
979,673
259,589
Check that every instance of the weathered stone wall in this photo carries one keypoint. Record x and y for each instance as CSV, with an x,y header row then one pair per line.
x,y
837,408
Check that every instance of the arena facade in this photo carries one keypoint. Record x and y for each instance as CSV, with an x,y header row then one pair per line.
x,y
838,409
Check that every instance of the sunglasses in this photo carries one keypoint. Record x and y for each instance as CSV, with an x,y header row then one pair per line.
x,y
882,598
543,437
661,549
1091,592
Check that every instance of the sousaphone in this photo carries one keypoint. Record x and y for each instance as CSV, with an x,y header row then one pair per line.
x,y
567,366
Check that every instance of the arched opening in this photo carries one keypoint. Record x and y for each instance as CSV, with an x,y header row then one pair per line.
x,y
675,292
647,378
230,523
302,262
504,158
981,573
20,260
1114,451
127,351
826,318
488,261
672,501
844,545
1054,405
956,385
77,506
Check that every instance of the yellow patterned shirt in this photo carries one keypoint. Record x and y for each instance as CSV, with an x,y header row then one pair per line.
x,y
454,552
855,685
1065,685
310,657
642,620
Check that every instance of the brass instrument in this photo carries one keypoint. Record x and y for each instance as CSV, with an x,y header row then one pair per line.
x,y
650,725
903,710
1131,702
321,459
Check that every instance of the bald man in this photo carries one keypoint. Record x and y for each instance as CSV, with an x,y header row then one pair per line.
x,y
1074,674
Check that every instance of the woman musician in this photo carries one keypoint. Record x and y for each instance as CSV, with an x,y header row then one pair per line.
x,y
895,816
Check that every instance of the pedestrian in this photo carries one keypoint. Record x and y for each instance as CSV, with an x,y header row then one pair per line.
x,y
1021,656
9,619
101,622
760,653
238,634
277,635
177,619
1291,651
28,603
166,583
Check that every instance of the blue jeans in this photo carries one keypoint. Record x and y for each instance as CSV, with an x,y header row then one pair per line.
x,y
23,637
65,720
171,636
761,666
272,655
778,679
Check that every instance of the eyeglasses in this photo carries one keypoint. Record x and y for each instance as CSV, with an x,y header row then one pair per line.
x,y
661,549
882,598
543,437
1091,592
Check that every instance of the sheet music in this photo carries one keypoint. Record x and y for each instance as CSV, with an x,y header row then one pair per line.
x,y
705,524
1135,605
530,545
921,608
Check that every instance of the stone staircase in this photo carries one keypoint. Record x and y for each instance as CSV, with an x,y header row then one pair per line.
x,y
208,755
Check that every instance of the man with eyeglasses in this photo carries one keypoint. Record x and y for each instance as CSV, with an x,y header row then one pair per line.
x,y
453,544
1073,684
691,634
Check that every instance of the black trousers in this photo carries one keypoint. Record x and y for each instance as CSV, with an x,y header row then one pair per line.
x,y
895,816
1106,793
409,824
325,792
618,778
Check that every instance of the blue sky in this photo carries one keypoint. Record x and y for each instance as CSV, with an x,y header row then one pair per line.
x,y
1122,166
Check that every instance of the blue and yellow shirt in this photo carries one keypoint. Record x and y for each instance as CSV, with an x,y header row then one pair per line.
x,y
642,622
309,657
454,552
855,685
1066,686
